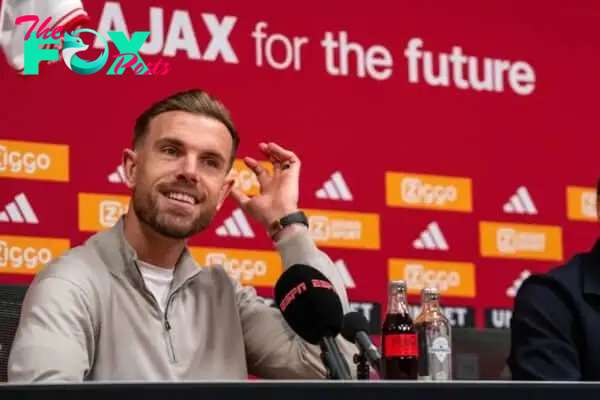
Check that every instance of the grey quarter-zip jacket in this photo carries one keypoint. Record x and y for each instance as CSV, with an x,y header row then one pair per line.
x,y
88,316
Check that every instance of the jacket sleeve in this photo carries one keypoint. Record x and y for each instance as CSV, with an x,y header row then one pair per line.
x,y
543,334
55,336
274,351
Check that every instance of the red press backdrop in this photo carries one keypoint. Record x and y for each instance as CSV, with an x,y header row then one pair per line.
x,y
444,144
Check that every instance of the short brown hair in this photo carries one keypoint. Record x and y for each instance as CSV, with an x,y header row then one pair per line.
x,y
194,101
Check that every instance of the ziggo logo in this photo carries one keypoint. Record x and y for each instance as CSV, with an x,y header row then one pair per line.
x,y
240,269
28,257
414,191
417,278
28,162
245,180
110,211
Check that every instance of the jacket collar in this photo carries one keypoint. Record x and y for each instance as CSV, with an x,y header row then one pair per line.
x,y
591,279
121,259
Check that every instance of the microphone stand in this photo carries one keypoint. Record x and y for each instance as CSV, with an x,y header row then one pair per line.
x,y
362,366
335,371
330,374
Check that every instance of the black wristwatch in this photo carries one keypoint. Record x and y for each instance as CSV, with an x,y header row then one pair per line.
x,y
294,218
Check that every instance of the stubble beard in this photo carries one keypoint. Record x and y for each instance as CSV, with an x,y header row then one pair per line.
x,y
166,223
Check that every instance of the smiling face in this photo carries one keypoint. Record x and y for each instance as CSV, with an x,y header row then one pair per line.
x,y
179,173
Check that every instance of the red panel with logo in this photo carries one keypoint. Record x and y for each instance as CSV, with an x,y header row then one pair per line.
x,y
448,145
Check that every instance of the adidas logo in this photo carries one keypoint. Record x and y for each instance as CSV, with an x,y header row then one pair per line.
x,y
516,285
431,238
118,176
335,188
520,203
345,274
237,226
19,211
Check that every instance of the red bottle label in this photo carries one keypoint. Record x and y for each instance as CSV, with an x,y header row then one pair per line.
x,y
401,345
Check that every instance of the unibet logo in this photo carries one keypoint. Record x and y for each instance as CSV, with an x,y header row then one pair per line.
x,y
344,229
29,160
27,255
523,241
581,204
249,267
450,278
98,212
431,192
245,179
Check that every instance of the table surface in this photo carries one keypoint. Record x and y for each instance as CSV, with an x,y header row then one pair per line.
x,y
305,390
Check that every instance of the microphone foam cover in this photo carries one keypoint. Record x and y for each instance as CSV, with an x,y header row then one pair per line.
x,y
309,303
353,323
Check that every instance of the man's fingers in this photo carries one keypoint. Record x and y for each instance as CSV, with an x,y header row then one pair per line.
x,y
262,175
239,197
282,154
264,148
277,153
281,158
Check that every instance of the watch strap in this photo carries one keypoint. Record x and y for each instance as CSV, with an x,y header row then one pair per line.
x,y
297,217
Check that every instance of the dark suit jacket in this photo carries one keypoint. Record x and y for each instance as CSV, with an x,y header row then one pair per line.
x,y
555,327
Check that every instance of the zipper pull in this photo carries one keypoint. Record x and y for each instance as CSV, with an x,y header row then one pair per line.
x,y
167,325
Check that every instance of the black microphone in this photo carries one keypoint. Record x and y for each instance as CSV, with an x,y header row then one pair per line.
x,y
312,308
355,329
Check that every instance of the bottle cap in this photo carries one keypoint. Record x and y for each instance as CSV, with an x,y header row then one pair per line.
x,y
430,294
397,286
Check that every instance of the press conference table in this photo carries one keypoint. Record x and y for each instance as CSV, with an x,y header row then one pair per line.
x,y
305,390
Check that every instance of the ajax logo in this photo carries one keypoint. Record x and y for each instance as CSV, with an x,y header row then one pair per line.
x,y
35,51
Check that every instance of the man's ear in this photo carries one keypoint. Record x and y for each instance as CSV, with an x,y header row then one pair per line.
x,y
226,189
129,167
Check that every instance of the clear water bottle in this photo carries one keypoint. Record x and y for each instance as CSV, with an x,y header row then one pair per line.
x,y
434,334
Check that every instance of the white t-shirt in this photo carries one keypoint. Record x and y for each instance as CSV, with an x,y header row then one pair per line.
x,y
158,281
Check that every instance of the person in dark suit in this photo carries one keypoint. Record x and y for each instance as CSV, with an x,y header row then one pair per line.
x,y
555,327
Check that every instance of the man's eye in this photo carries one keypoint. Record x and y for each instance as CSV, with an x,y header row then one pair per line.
x,y
211,163
170,150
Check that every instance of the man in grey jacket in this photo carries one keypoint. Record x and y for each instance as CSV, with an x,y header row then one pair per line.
x,y
132,304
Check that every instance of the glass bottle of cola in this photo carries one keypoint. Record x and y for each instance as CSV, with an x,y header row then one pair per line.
x,y
398,337
435,338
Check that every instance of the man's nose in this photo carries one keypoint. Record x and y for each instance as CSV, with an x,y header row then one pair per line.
x,y
189,169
